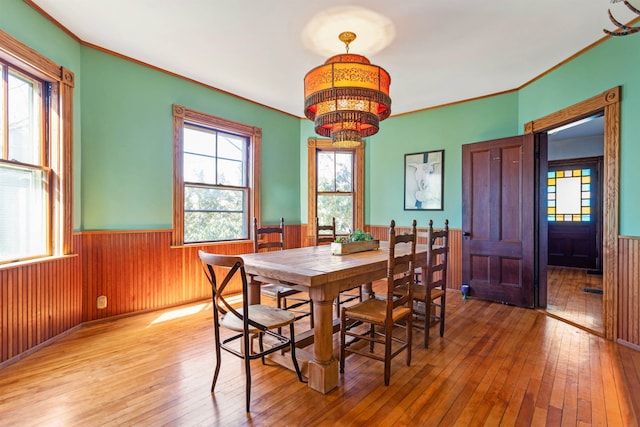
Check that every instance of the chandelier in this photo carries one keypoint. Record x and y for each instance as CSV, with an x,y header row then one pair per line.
x,y
347,97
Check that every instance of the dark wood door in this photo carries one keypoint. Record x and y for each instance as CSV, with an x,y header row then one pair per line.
x,y
498,219
574,241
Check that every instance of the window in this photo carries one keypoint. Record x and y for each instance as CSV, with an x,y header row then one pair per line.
x,y
569,195
35,154
336,188
214,168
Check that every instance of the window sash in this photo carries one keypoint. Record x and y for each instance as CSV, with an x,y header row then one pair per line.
x,y
237,148
25,206
315,146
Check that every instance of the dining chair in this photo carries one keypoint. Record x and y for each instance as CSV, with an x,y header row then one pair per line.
x,y
325,234
430,287
386,313
273,238
247,321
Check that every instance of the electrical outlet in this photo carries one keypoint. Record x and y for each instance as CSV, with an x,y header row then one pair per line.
x,y
101,302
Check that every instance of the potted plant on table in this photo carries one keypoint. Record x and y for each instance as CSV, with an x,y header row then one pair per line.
x,y
358,241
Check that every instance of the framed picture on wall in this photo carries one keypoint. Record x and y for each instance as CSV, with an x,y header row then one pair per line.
x,y
424,181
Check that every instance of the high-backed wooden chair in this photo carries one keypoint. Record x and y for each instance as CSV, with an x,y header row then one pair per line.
x,y
325,234
385,314
430,289
270,238
246,321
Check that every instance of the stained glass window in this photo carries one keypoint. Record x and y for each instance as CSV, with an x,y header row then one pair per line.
x,y
569,195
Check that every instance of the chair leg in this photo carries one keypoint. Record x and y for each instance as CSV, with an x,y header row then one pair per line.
x,y
311,312
218,357
261,344
387,354
443,300
372,333
247,371
293,352
427,323
409,337
343,326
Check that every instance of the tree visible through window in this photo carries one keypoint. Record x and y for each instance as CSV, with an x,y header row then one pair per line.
x,y
215,190
335,189
215,195
336,186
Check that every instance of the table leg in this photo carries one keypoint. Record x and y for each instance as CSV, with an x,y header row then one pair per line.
x,y
323,368
367,290
254,291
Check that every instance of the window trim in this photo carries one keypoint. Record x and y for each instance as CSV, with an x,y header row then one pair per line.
x,y
313,144
59,135
183,114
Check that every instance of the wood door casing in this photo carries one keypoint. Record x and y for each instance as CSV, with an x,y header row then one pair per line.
x,y
498,219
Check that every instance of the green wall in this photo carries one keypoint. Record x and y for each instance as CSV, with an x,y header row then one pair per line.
x,y
127,144
616,62
122,145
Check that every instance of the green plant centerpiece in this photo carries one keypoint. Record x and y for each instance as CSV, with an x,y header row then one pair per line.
x,y
357,241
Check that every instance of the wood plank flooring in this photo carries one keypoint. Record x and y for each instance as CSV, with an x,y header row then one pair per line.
x,y
496,365
567,300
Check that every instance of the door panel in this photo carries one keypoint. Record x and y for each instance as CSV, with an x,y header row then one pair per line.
x,y
497,217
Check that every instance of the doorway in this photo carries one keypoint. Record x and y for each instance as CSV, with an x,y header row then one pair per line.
x,y
608,104
574,220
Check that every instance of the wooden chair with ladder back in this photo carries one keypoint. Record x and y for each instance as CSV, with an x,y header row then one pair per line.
x,y
246,321
430,288
391,311
325,234
270,238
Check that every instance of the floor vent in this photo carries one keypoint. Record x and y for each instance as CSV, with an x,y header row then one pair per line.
x,y
592,291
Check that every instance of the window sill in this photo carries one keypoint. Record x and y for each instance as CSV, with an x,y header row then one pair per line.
x,y
14,264
208,244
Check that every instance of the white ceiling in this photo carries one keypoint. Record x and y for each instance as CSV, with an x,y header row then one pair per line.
x,y
443,51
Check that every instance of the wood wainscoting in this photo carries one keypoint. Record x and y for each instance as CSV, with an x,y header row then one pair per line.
x,y
139,271
38,301
629,291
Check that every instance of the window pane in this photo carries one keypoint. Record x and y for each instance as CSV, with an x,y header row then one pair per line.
x,y
344,171
214,214
231,172
207,226
326,171
24,120
23,213
231,146
199,169
568,196
199,141
338,206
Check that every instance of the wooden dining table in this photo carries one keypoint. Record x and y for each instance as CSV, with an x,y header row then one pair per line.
x,y
322,275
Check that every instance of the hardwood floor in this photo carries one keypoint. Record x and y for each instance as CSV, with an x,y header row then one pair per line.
x,y
567,300
496,365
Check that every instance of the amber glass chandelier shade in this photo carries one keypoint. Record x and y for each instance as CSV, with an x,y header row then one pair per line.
x,y
347,97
